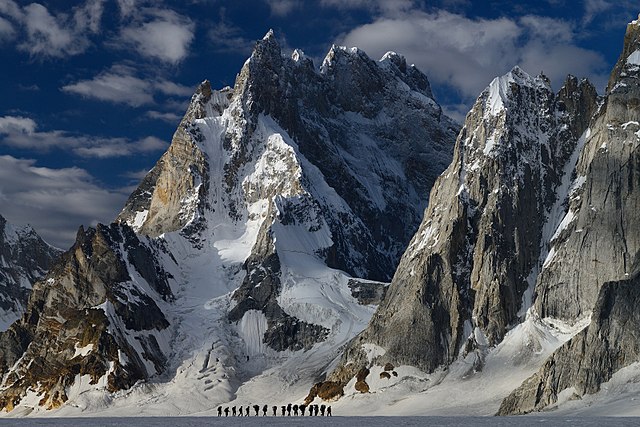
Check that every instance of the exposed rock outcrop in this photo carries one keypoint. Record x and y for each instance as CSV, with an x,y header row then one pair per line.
x,y
609,343
90,315
24,258
593,265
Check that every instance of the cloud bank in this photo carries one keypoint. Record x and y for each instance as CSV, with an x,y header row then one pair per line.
x,y
22,132
54,201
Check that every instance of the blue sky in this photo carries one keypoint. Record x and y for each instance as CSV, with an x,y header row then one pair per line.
x,y
92,90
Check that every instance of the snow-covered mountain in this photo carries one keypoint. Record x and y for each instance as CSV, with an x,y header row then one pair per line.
x,y
526,259
256,247
25,258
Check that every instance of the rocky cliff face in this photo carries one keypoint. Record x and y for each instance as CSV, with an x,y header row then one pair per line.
x,y
94,318
609,343
25,259
592,266
463,280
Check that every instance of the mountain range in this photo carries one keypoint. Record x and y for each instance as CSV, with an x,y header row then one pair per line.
x,y
327,233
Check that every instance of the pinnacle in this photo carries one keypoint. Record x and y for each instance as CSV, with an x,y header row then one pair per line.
x,y
270,35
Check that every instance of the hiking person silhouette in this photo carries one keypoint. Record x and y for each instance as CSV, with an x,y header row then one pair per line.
x,y
275,410
219,411
302,408
240,412
247,412
265,408
226,411
233,411
322,408
316,408
282,410
328,411
295,410
289,410
257,409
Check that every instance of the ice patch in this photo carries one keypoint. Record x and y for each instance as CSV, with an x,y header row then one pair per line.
x,y
373,351
634,58
251,328
83,351
139,219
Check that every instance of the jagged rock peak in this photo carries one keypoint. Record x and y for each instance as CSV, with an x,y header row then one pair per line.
x,y
24,258
499,92
629,60
266,49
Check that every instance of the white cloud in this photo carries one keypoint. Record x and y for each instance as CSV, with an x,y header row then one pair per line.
x,y
593,8
171,88
160,34
136,176
172,118
466,54
22,132
47,35
11,124
126,7
112,86
89,16
54,201
227,37
6,30
283,7
379,6
119,85
122,147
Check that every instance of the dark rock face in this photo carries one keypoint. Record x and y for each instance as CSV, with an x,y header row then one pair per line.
x,y
609,343
467,266
368,292
600,243
24,258
595,264
87,317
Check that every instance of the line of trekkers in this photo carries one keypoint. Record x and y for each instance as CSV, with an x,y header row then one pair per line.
x,y
240,411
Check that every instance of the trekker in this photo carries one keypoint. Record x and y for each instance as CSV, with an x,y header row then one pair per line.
x,y
265,408
295,410
226,411
240,410
219,411
247,412
289,410
302,408
322,408
275,410
233,411
283,408
328,411
256,408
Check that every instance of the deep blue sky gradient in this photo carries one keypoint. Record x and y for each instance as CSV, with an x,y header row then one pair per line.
x,y
223,33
